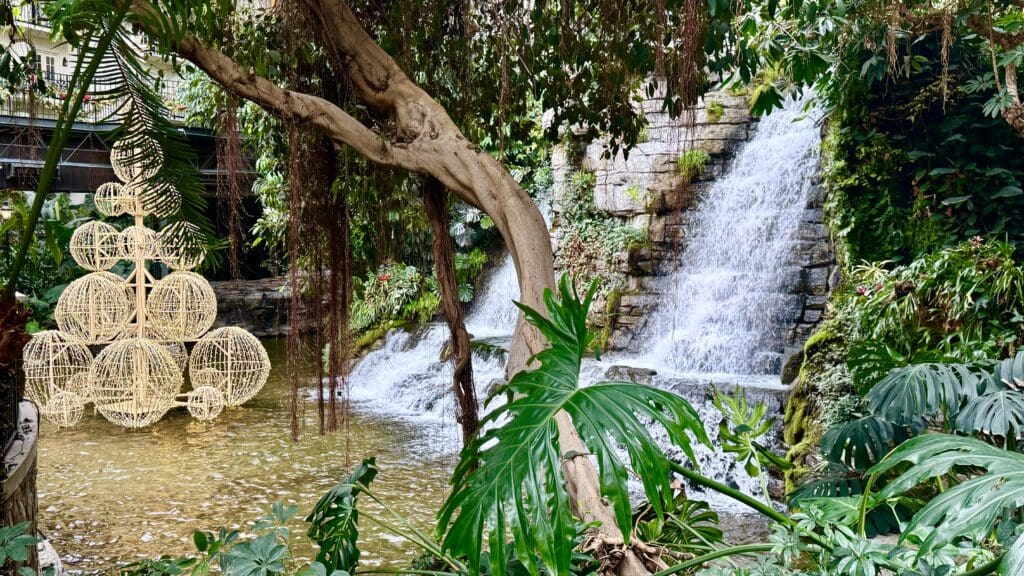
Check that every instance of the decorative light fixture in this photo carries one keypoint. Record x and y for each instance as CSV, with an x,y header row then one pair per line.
x,y
142,321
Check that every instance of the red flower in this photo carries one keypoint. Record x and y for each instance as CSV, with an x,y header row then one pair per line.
x,y
384,277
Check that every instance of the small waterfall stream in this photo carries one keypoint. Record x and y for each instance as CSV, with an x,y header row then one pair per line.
x,y
406,376
727,303
720,324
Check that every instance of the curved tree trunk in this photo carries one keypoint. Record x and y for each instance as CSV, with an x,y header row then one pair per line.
x,y
435,201
426,141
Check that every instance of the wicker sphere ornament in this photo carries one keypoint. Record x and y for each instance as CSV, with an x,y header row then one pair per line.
x,y
114,199
205,403
64,409
96,246
182,306
136,159
237,356
179,353
180,246
94,308
134,382
138,243
54,362
160,200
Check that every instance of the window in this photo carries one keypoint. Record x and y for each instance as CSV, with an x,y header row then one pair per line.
x,y
51,67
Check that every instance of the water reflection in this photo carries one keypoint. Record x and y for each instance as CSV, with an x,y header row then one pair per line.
x,y
108,495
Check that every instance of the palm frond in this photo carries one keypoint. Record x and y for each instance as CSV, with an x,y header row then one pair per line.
x,y
511,478
175,191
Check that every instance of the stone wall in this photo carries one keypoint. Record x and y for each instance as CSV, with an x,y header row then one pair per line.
x,y
647,190
259,306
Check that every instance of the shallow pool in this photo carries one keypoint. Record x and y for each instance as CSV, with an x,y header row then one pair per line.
x,y
109,495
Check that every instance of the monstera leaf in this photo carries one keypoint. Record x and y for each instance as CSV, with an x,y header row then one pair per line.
x,y
870,360
1010,372
999,413
838,482
510,480
969,509
858,444
906,395
334,522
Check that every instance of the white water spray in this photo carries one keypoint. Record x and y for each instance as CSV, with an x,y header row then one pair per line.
x,y
726,306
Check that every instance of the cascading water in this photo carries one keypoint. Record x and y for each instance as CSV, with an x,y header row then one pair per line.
x,y
407,375
724,310
726,306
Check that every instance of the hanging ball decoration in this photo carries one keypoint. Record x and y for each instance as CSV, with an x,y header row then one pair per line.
x,y
53,363
64,409
134,382
96,246
207,377
160,200
136,159
238,357
114,199
182,306
94,308
178,351
205,403
138,243
80,385
181,246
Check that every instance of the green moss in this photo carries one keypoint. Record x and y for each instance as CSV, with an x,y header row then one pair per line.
x,y
634,192
715,111
692,163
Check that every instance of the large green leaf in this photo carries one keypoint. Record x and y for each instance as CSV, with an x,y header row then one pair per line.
x,y
858,444
999,413
510,480
906,395
334,521
967,510
1010,372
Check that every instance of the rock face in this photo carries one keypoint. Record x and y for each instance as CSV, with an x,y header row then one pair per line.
x,y
259,306
648,190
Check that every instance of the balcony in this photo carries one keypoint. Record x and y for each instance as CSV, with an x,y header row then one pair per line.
x,y
99,106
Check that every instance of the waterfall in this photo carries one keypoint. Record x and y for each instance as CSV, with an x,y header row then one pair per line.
x,y
407,376
726,305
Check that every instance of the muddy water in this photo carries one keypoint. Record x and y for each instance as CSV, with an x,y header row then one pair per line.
x,y
107,495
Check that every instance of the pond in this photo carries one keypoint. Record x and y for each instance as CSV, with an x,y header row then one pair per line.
x,y
109,495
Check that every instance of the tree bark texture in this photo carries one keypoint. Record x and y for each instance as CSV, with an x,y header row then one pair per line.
x,y
435,202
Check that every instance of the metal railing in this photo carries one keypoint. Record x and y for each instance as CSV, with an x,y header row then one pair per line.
x,y
99,105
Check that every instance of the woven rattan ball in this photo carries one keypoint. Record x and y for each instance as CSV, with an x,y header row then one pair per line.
x,y
96,246
179,353
238,357
205,403
114,199
138,243
136,159
94,308
134,382
80,385
182,306
161,200
54,362
180,247
64,409
207,377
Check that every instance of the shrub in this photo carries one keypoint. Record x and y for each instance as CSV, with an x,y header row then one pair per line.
x,y
715,111
692,163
